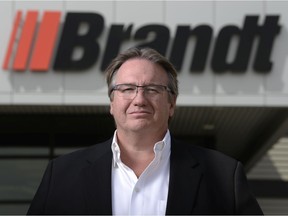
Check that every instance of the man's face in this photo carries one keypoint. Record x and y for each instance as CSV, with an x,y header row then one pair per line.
x,y
141,113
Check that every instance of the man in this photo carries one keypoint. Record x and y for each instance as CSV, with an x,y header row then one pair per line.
x,y
142,169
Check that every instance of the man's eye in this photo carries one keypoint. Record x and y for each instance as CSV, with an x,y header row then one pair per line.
x,y
152,90
128,89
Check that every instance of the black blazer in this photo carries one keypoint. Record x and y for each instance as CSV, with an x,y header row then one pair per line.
x,y
202,181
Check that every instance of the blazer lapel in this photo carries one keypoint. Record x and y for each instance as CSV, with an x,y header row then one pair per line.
x,y
97,181
185,176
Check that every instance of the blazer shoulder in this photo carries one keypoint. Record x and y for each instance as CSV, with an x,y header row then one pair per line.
x,y
87,154
203,155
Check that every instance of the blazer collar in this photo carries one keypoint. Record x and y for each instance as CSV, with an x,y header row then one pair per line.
x,y
97,180
185,176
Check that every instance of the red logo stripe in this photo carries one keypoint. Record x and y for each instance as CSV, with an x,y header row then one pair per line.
x,y
45,42
11,41
25,42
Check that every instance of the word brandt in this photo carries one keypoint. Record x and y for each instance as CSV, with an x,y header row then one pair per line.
x,y
72,39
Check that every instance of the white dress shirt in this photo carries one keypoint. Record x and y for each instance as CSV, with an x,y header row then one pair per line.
x,y
146,195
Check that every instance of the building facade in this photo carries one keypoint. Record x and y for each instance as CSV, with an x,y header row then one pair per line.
x,y
231,58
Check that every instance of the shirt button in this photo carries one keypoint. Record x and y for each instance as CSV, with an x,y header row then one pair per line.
x,y
159,147
137,190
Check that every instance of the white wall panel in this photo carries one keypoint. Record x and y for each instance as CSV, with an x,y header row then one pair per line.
x,y
228,86
36,87
277,82
205,88
81,86
90,80
139,12
35,98
6,27
193,14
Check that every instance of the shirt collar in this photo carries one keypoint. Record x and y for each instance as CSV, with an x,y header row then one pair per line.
x,y
161,148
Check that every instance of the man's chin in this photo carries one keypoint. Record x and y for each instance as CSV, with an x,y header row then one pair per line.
x,y
140,125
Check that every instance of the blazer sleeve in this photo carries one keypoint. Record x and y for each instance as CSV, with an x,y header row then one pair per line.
x,y
37,207
245,202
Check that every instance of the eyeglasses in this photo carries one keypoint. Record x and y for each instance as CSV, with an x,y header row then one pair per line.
x,y
129,91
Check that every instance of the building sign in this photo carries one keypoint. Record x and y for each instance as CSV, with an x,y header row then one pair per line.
x,y
38,56
227,53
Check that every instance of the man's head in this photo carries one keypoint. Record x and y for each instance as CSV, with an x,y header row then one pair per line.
x,y
144,53
143,88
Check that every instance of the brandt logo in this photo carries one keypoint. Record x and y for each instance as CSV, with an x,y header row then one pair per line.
x,y
38,46
42,50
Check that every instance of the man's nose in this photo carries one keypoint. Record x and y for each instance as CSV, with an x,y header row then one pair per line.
x,y
139,95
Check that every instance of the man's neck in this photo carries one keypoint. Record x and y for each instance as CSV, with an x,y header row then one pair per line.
x,y
137,150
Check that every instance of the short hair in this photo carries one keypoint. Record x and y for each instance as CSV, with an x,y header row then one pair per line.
x,y
147,54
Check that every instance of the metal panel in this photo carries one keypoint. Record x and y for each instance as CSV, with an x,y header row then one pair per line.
x,y
274,164
274,206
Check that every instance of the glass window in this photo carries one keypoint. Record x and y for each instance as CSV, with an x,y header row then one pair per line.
x,y
15,209
23,151
20,178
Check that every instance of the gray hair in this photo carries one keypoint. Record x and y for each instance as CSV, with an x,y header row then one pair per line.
x,y
142,53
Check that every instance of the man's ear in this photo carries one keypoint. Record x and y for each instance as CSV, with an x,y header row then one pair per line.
x,y
111,108
172,106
